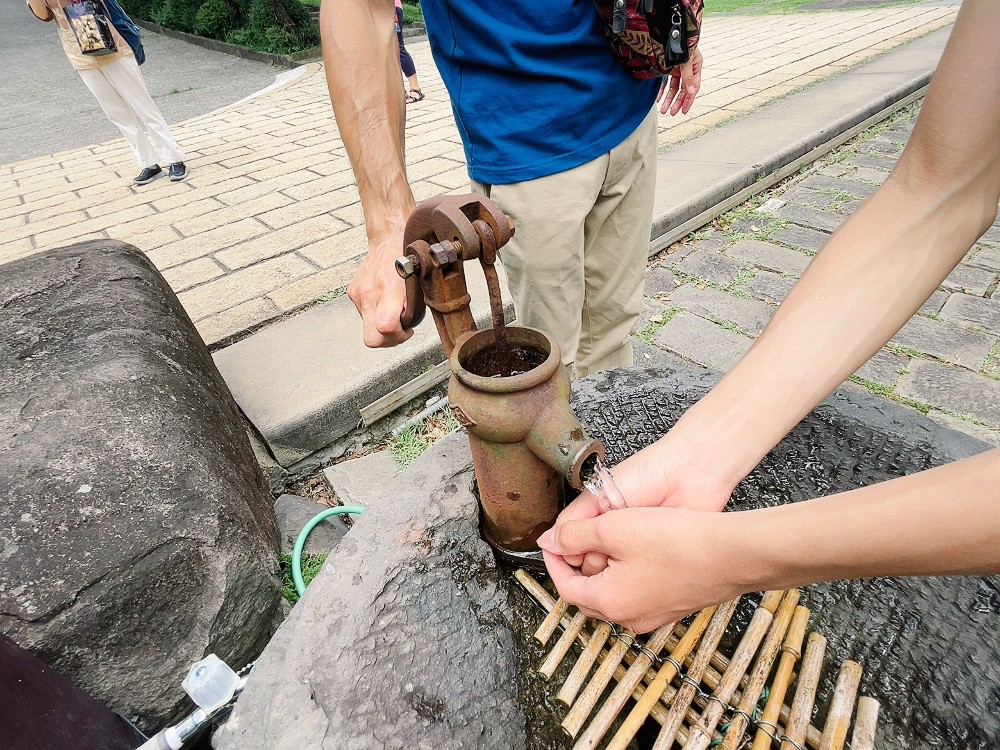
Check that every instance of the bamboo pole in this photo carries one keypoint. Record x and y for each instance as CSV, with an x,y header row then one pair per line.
x,y
616,701
551,622
610,660
704,729
608,712
567,693
709,643
562,647
664,675
805,693
762,668
791,650
712,678
721,662
864,724
659,713
592,693
838,720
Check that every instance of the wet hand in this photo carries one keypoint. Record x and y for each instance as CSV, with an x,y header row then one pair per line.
x,y
379,294
663,563
679,89
662,475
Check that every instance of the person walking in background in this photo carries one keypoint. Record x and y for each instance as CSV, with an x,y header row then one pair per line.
x,y
405,61
115,81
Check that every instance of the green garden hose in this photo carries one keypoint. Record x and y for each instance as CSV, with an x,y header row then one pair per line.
x,y
300,540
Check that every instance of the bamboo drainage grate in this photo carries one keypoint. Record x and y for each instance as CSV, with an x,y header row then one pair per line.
x,y
700,697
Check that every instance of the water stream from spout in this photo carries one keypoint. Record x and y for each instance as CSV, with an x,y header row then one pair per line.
x,y
601,484
496,307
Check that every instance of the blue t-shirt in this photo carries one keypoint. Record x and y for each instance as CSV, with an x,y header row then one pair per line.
x,y
533,85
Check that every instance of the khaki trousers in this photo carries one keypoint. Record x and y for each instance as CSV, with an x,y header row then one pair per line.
x,y
576,264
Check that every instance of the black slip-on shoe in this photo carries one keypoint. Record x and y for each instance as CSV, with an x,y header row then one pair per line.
x,y
178,171
148,175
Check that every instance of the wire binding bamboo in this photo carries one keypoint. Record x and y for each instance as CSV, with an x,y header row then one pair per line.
x,y
805,693
791,650
578,714
567,693
712,678
761,669
559,651
709,643
613,670
838,720
664,675
864,724
608,712
609,659
704,729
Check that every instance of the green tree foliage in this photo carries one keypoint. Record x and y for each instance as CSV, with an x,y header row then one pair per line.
x,y
280,26
217,18
177,14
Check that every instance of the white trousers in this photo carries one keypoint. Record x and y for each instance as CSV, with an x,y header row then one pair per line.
x,y
121,92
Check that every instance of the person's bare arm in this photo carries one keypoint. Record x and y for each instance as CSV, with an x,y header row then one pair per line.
x,y
880,266
361,59
867,281
667,562
40,10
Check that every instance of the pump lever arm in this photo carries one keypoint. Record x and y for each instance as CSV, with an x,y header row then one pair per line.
x,y
415,308
441,234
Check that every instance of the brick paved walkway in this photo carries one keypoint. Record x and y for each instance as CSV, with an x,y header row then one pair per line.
x,y
709,297
270,220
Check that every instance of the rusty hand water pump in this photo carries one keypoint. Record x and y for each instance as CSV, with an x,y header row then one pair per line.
x,y
508,386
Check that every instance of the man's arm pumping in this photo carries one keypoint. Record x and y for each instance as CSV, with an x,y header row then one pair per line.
x,y
361,59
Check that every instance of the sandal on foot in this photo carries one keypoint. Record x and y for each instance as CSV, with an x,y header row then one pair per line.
x,y
414,96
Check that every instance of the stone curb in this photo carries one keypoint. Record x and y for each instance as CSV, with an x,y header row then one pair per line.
x,y
314,402
281,81
415,33
285,61
702,178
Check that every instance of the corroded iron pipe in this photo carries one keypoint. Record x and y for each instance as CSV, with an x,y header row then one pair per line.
x,y
525,440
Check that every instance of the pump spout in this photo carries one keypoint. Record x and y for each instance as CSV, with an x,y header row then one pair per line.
x,y
526,442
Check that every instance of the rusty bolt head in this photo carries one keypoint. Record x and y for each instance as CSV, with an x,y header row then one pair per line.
x,y
405,267
444,252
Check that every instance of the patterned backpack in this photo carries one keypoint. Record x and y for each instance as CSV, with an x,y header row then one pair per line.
x,y
649,37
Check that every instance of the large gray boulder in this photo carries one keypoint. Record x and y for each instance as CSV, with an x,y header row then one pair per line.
x,y
412,637
136,532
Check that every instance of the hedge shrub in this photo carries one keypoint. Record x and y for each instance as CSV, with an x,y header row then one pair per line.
x,y
249,23
217,18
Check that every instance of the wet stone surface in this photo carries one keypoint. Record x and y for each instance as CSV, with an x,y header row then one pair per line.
x,y
929,647
411,637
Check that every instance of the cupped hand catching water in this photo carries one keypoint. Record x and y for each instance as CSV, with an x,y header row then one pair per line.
x,y
640,545
662,475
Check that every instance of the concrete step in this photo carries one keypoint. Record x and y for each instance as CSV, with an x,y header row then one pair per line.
x,y
362,481
305,381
